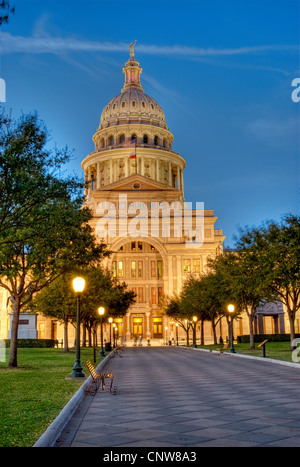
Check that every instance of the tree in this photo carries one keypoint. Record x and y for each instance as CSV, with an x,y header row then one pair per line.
x,y
58,299
242,283
275,250
193,305
44,231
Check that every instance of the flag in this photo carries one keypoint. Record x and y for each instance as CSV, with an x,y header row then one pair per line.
x,y
132,155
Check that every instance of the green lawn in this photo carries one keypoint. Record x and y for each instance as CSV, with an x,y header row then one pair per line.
x,y
275,350
32,395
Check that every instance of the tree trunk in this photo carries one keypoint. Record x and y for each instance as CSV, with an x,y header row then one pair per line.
x,y
291,316
202,332
251,332
214,332
66,344
13,356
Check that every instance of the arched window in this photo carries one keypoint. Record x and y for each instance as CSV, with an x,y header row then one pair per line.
x,y
164,143
123,104
102,143
122,139
156,140
145,139
133,103
133,138
110,140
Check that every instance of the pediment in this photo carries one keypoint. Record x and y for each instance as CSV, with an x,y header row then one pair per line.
x,y
137,183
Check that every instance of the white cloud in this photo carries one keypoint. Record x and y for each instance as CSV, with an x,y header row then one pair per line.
x,y
45,43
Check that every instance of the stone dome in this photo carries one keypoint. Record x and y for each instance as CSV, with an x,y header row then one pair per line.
x,y
132,106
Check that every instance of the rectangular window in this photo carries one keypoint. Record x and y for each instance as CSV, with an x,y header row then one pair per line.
x,y
120,269
140,246
153,269
141,295
133,268
186,266
153,295
159,291
42,331
196,265
133,246
140,268
159,268
134,290
114,269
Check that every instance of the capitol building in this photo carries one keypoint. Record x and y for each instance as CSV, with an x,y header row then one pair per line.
x,y
136,191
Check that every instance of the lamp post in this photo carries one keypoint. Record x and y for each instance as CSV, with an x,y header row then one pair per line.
x,y
101,312
195,319
230,309
78,285
176,332
110,320
166,329
114,344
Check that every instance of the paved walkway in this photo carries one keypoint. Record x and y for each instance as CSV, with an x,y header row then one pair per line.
x,y
170,397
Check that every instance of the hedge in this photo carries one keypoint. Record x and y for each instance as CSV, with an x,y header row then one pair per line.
x,y
245,339
33,343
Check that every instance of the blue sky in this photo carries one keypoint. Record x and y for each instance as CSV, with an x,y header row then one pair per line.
x,y
221,70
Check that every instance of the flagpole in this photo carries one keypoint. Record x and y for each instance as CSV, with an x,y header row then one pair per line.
x,y
136,161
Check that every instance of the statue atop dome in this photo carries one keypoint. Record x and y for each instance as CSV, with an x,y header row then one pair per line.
x,y
131,49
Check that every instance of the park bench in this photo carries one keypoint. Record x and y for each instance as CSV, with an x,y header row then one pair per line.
x,y
223,347
117,351
99,379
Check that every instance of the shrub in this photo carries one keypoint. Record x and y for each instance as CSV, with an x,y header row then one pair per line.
x,y
33,343
245,339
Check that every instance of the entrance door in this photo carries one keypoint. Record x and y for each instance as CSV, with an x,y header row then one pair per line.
x,y
138,327
157,327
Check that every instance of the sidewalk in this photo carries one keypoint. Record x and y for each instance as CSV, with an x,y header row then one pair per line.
x,y
171,397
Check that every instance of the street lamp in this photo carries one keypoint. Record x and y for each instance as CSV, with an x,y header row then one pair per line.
x,y
195,319
177,332
78,286
101,312
166,328
230,309
114,343
110,320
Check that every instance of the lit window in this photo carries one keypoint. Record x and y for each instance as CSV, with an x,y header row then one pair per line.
x,y
186,266
120,269
114,269
159,268
133,268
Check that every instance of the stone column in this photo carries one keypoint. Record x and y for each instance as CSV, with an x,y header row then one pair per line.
x,y
111,171
128,334
157,170
148,333
170,174
98,175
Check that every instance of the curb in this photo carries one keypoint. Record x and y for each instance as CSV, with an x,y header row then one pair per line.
x,y
53,431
